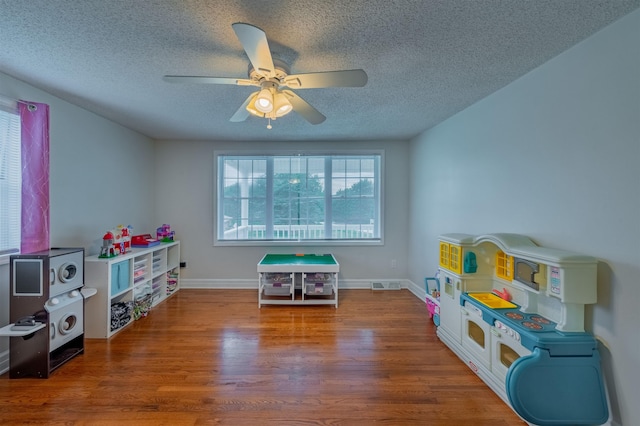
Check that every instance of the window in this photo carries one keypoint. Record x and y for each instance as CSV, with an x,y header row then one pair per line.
x,y
302,198
10,179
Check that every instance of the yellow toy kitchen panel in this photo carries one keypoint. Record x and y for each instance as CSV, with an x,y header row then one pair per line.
x,y
455,258
444,254
504,266
451,257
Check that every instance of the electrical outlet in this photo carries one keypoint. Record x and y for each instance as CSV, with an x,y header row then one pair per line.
x,y
394,264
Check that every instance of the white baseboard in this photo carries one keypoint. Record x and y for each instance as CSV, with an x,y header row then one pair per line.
x,y
418,290
245,284
237,284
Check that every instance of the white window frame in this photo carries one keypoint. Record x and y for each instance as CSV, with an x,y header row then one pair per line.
x,y
218,187
10,180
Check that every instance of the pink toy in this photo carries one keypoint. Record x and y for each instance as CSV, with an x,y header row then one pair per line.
x,y
504,294
164,233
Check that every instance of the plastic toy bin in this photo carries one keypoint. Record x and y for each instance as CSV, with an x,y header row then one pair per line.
x,y
277,284
318,284
318,289
277,289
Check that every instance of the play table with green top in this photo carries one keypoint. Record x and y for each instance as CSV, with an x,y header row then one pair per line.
x,y
298,279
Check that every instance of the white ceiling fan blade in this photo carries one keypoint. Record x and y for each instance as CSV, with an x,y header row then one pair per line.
x,y
194,79
242,114
254,41
317,80
301,106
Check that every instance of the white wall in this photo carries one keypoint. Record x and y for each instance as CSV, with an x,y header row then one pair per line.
x,y
101,175
553,156
184,199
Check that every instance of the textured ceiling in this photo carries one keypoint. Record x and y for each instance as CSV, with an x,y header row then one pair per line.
x,y
426,59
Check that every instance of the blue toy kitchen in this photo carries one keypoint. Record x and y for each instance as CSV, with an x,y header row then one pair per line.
x,y
514,313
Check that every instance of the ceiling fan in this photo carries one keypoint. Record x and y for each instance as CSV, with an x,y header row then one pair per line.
x,y
271,75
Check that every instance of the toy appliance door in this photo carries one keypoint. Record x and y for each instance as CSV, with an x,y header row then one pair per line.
x,y
567,390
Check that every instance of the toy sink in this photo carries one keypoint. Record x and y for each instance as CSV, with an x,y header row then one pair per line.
x,y
492,301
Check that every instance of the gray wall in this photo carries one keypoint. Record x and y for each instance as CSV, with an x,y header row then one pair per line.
x,y
553,156
184,199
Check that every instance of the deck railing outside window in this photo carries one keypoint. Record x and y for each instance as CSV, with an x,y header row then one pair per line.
x,y
312,232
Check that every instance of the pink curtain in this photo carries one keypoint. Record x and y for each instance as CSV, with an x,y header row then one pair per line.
x,y
34,119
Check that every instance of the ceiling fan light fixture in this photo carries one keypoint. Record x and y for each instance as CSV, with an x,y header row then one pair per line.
x,y
252,109
264,101
282,105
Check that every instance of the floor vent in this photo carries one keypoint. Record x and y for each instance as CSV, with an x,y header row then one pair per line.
x,y
385,285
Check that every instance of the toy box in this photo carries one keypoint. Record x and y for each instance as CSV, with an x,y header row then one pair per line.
x,y
144,241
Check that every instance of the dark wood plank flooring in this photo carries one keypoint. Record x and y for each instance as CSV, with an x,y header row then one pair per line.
x,y
207,357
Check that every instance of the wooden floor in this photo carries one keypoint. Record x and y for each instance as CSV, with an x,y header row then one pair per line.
x,y
213,357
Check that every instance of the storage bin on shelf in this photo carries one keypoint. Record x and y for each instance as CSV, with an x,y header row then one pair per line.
x,y
142,302
277,284
172,281
139,270
120,314
158,262
119,277
141,307
318,284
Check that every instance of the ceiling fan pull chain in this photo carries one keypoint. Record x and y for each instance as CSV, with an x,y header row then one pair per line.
x,y
269,125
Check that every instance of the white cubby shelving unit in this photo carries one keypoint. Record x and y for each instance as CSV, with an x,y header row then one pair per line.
x,y
129,286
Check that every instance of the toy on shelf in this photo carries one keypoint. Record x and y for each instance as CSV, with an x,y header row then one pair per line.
x,y
165,234
144,241
125,237
108,248
120,241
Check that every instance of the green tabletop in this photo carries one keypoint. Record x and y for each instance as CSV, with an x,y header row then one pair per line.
x,y
298,259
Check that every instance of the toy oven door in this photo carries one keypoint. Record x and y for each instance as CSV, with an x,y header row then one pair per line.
x,y
505,350
476,334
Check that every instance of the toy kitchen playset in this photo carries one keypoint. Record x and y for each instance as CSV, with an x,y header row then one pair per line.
x,y
514,312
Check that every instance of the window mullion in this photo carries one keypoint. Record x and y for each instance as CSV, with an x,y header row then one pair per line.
x,y
328,213
269,199
376,195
